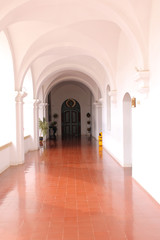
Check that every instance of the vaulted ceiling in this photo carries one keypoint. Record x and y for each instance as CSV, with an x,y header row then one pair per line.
x,y
73,39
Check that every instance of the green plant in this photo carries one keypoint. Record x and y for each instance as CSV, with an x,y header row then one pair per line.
x,y
43,126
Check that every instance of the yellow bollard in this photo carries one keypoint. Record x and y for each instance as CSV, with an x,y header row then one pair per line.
x,y
100,139
100,144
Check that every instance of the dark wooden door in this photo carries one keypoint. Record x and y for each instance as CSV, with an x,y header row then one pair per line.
x,y
71,126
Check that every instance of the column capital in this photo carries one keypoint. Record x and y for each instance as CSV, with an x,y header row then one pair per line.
x,y
43,105
97,104
19,95
36,102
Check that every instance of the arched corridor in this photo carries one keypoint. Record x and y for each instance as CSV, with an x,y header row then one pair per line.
x,y
68,191
104,56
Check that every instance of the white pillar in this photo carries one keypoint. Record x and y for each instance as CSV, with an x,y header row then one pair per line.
x,y
36,124
19,143
98,116
42,108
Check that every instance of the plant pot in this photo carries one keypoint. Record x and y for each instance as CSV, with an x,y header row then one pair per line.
x,y
40,139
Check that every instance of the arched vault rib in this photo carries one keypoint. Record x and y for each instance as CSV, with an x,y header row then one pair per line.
x,y
73,79
68,74
60,68
110,12
85,47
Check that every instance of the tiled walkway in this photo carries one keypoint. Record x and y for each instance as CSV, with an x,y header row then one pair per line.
x,y
71,192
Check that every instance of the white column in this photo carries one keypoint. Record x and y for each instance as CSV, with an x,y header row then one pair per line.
x,y
98,116
36,124
42,108
19,143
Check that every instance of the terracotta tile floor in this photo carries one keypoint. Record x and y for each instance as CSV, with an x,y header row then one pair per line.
x,y
70,191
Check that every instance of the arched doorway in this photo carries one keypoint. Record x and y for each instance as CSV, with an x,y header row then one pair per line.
x,y
127,130
71,118
108,109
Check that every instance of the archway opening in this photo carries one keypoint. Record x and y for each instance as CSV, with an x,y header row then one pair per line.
x,y
7,101
108,109
70,118
127,130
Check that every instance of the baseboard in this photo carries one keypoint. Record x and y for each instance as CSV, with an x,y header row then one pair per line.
x,y
112,155
3,169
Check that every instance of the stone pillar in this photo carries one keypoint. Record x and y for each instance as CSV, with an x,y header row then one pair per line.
x,y
19,142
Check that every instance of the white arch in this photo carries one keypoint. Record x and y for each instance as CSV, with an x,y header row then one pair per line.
x,y
49,49
111,11
75,79
60,69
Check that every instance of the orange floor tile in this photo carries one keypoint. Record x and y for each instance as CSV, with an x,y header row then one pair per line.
x,y
71,191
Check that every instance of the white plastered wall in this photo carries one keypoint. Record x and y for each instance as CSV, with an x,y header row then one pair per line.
x,y
113,138
145,116
7,106
146,147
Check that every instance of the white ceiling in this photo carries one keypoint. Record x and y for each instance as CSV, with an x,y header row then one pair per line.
x,y
60,39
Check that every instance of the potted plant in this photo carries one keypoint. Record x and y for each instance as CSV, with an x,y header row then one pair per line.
x,y
43,126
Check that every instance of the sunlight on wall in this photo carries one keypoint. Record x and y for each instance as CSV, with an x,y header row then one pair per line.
x,y
7,106
28,104
146,152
